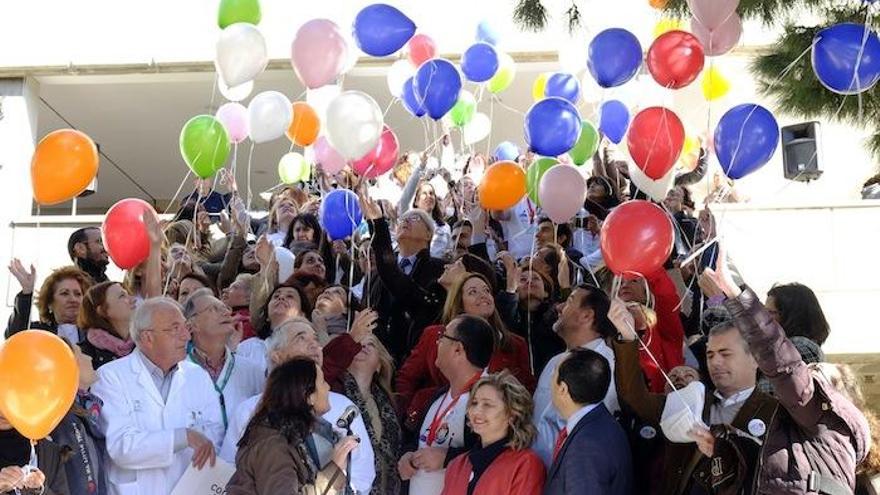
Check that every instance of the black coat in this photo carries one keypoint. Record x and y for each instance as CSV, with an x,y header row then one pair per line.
x,y
21,313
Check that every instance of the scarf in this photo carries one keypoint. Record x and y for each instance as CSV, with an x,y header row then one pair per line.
x,y
104,340
15,449
483,457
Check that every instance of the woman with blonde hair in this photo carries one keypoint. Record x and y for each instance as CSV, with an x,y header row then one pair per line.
x,y
58,300
500,413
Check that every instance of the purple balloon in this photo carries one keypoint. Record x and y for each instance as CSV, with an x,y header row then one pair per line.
x,y
720,40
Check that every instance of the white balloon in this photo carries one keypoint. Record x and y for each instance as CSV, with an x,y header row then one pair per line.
x,y
354,124
269,115
477,129
235,93
398,74
241,53
320,98
655,189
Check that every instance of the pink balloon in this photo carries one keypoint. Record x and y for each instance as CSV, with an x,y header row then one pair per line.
x,y
721,39
562,192
330,161
712,13
318,53
234,118
421,49
381,159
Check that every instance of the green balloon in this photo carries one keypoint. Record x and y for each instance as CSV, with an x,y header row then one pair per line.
x,y
586,145
464,109
204,145
232,11
534,174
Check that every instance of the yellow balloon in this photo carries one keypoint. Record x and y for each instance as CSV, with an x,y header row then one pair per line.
x,y
715,85
503,77
691,144
666,24
539,86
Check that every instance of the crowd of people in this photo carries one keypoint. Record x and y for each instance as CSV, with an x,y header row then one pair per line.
x,y
439,349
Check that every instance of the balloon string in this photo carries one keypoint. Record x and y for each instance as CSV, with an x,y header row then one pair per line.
x,y
179,188
250,194
503,105
394,100
491,118
213,92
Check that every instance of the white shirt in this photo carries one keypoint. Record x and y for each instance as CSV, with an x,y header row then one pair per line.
x,y
239,380
441,241
254,350
724,410
363,468
518,231
576,418
69,332
449,433
547,419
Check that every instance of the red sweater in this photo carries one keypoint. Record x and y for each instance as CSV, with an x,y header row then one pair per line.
x,y
418,380
514,472
665,340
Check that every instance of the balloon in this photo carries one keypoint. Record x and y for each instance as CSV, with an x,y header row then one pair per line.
x,y
479,62
269,114
675,59
304,126
235,93
506,151
421,49
714,84
204,145
398,74
614,120
477,129
293,167
563,85
381,29
464,109
502,186
586,145
666,24
39,378
413,105
232,11
340,213
503,77
540,86
354,124
487,33
125,235
721,39
437,84
380,159
636,238
745,139
655,139
330,161
241,53
552,126
841,50
712,13
562,191
655,189
318,53
64,163
320,99
615,57
533,177
233,116
691,145
658,4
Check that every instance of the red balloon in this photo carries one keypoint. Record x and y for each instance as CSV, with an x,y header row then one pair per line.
x,y
125,235
636,238
675,59
381,159
655,139
421,49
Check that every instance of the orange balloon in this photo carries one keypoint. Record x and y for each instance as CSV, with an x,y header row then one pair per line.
x,y
64,164
503,185
39,378
305,125
658,4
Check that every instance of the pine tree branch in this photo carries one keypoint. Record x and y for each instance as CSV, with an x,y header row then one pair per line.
x,y
530,15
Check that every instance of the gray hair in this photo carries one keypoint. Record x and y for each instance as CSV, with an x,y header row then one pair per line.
x,y
281,335
423,216
729,326
142,319
189,307
246,279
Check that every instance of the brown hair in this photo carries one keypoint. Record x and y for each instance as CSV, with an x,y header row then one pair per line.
x,y
89,313
454,308
518,403
46,296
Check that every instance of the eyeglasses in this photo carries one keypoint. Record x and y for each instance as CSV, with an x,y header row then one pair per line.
x,y
444,336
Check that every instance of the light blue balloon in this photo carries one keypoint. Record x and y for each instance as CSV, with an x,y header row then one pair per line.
x,y
506,151
487,33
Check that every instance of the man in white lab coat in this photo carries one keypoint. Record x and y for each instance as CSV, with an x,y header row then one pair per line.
x,y
160,411
297,338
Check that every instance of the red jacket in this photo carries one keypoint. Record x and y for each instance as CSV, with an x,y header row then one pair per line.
x,y
665,340
514,472
418,380
338,355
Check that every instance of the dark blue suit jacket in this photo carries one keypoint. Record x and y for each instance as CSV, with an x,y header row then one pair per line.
x,y
594,460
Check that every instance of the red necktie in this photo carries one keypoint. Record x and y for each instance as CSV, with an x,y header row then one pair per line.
x,y
560,440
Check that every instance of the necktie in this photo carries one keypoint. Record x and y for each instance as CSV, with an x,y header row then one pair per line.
x,y
560,440
405,265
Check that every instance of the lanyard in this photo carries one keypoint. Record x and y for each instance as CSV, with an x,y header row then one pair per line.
x,y
222,383
440,416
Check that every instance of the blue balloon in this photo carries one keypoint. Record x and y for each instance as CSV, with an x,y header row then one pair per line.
x,y
479,62
745,139
552,126
563,85
841,49
506,151
614,120
340,213
437,84
615,57
412,104
381,29
487,33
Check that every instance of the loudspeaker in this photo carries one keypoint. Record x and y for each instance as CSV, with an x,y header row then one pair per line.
x,y
801,151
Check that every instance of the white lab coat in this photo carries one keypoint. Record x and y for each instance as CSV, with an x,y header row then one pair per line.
x,y
363,467
140,427
245,380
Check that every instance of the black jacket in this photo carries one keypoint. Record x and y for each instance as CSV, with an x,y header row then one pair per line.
x,y
21,313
